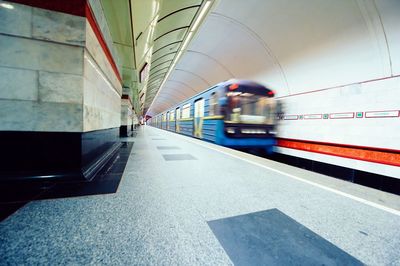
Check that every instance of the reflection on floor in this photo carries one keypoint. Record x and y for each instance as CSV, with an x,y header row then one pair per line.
x,y
14,196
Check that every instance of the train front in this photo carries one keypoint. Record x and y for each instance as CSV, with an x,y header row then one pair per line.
x,y
249,111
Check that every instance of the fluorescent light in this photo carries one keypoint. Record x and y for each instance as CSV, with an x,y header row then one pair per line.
x,y
201,15
188,37
8,6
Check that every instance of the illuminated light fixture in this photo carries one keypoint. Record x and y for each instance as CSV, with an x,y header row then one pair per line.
x,y
201,15
271,93
233,87
188,37
183,46
230,130
8,6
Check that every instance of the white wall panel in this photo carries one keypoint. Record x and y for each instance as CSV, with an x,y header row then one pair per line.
x,y
322,57
389,14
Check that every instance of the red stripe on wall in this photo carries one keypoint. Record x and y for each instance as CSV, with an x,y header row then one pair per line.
x,y
92,21
369,154
73,7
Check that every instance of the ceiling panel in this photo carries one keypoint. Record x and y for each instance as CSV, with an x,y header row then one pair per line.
x,y
127,56
171,37
176,20
164,57
118,20
144,12
170,6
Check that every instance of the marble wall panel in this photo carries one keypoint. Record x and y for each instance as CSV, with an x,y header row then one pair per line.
x,y
58,27
97,53
16,115
18,84
99,85
37,116
59,87
102,103
96,118
16,20
58,117
40,55
126,112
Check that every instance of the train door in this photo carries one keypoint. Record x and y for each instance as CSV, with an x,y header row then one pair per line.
x,y
177,118
198,118
167,121
172,120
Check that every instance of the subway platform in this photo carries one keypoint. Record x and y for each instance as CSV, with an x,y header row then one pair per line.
x,y
182,201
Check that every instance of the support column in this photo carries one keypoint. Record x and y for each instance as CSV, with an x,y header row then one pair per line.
x,y
60,91
126,113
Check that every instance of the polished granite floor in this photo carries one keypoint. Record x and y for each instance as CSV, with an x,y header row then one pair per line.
x,y
185,202
15,195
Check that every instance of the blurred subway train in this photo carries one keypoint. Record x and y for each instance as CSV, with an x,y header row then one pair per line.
x,y
236,113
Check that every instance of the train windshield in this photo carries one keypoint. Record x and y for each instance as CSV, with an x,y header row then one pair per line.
x,y
245,107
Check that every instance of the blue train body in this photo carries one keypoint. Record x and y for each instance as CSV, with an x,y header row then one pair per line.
x,y
238,114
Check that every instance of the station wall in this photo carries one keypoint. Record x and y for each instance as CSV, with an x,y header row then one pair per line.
x,y
333,64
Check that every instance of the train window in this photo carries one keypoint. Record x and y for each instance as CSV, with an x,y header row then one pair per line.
x,y
178,113
213,102
172,115
199,108
186,111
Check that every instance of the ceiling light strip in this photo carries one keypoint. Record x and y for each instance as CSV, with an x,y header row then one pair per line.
x,y
189,36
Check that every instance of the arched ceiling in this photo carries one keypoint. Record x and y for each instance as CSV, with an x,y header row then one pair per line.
x,y
148,36
290,46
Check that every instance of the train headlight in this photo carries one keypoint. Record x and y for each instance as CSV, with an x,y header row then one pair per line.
x,y
230,130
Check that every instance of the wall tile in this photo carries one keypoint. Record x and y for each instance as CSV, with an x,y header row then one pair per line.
x,y
102,102
58,87
58,27
96,52
16,21
16,115
35,116
62,117
19,84
40,55
98,90
95,118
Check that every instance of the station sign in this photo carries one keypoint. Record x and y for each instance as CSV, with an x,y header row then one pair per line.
x,y
314,116
382,114
341,116
290,117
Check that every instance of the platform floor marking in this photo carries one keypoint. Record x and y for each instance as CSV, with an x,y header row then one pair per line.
x,y
178,157
167,147
372,204
271,237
